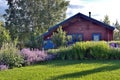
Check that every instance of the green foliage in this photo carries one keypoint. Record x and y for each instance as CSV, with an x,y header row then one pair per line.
x,y
100,50
35,42
53,51
65,53
24,16
118,42
4,34
116,35
114,54
59,37
87,50
106,19
10,55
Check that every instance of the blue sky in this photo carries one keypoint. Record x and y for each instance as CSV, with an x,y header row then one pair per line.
x,y
98,8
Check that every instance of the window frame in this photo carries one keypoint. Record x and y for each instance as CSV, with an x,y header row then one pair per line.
x,y
96,34
76,36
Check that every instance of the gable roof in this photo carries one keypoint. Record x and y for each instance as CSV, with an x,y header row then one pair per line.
x,y
81,16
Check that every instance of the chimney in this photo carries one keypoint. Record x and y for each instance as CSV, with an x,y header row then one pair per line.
x,y
89,14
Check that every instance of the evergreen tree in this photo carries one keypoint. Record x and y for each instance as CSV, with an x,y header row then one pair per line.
x,y
59,37
117,25
23,17
106,19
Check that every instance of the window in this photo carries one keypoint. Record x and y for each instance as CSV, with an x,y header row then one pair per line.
x,y
74,38
80,37
96,36
77,37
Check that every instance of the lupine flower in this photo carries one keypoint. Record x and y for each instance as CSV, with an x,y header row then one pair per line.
x,y
32,56
3,67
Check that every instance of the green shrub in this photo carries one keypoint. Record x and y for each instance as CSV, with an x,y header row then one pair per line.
x,y
34,43
114,53
10,55
87,50
59,38
78,51
53,51
4,34
62,53
100,50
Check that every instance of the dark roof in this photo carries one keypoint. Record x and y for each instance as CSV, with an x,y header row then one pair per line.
x,y
82,16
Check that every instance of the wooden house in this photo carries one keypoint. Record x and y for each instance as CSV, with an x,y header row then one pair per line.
x,y
82,28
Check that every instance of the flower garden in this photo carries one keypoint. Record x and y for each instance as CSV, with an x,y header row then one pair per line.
x,y
11,56
82,60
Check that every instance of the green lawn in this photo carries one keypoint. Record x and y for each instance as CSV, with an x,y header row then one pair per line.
x,y
66,70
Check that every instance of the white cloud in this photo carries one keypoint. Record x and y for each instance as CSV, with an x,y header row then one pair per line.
x,y
3,6
98,8
3,3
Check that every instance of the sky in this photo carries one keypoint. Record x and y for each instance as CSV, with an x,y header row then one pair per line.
x,y
3,6
98,8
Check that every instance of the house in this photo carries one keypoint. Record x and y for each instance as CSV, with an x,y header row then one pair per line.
x,y
82,28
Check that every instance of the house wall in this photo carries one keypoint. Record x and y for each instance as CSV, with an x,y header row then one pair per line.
x,y
87,28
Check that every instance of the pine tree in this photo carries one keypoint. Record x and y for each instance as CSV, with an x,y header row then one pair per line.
x,y
106,19
59,37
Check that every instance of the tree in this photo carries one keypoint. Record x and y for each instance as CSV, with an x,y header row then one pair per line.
x,y
4,34
117,25
116,31
106,19
23,17
34,42
59,37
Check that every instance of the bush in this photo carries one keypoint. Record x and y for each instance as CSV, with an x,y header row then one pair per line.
x,y
3,67
34,42
59,38
114,53
87,50
114,44
10,56
4,35
34,56
100,50
80,49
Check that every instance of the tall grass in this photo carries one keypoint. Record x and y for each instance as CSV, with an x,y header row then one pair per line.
x,y
87,50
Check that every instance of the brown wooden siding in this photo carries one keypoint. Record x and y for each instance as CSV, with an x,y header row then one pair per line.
x,y
87,28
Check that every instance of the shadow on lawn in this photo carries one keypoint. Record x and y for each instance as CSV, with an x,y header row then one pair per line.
x,y
87,72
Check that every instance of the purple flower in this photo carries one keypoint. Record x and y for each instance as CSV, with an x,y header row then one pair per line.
x,y
32,56
3,67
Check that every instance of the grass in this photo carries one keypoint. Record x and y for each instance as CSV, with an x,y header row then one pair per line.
x,y
66,70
